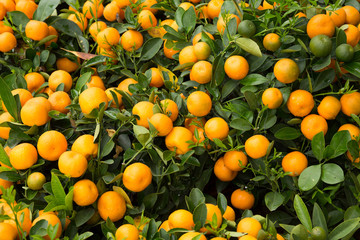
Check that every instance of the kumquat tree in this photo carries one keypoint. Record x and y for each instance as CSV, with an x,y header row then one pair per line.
x,y
180,120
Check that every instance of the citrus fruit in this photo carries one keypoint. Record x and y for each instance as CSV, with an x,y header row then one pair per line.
x,y
344,52
137,177
320,45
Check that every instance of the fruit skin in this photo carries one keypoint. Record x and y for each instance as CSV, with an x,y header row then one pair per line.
x,y
344,52
191,235
53,220
111,205
320,45
318,233
247,28
353,130
36,30
249,225
5,131
181,219
137,177
320,24
294,163
286,70
144,110
23,156
236,67
216,127
85,192
312,125
8,232
162,123
36,180
131,40
256,146
242,199
178,138
272,42
232,160
39,107
212,210
8,42
72,164
51,144
272,98
229,214
300,103
350,103
199,104
222,172
329,107
85,145
127,231
91,99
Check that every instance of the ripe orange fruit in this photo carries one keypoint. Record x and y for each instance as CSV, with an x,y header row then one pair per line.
x,y
124,3
85,145
272,42
52,32
256,146
348,154
111,205
23,156
222,23
353,130
67,65
229,214
107,38
91,99
24,96
222,172
294,162
162,123
5,28
249,225
192,235
79,19
127,231
170,108
320,24
350,103
137,177
286,70
36,181
169,52
329,107
85,192
212,211
97,27
187,55
109,93
177,140
201,72
247,237
202,50
5,131
235,160
312,125
157,79
124,85
35,112
165,226
194,123
7,42
279,237
58,77
181,219
202,12
272,98
51,144
147,19
72,164
214,8
59,101
112,11
34,81
5,184
197,37
352,35
352,15
93,9
300,103
52,220
147,4
186,5
23,216
145,111
236,67
199,104
338,16
36,30
96,81
242,199
2,11
27,7
131,40
8,232
9,5
216,127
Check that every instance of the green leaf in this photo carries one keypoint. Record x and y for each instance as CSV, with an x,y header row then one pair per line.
x,y
4,157
200,214
352,212
249,46
344,229
309,177
45,9
318,145
322,63
254,79
142,134
302,212
221,202
218,72
83,43
189,20
273,200
67,27
95,60
82,80
150,48
251,99
339,143
287,133
69,200
340,37
353,68
18,18
83,216
318,217
240,124
57,189
332,173
8,99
